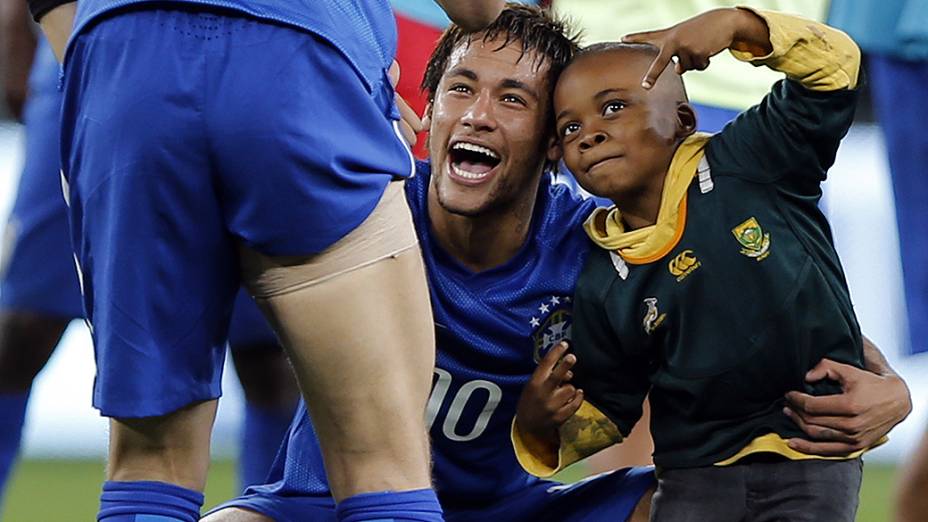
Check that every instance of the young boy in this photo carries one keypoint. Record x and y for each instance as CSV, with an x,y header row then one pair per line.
x,y
717,286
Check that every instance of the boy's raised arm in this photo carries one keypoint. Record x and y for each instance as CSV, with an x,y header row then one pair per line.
x,y
819,57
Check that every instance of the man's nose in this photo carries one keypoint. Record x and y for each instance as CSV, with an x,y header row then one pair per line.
x,y
480,114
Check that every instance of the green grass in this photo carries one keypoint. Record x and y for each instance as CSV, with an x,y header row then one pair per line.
x,y
67,490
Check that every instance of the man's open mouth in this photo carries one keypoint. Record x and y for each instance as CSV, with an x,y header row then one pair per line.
x,y
471,161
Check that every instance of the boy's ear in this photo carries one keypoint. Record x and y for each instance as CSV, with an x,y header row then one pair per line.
x,y
554,151
686,120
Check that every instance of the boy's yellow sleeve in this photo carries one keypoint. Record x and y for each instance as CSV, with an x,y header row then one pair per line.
x,y
819,57
586,432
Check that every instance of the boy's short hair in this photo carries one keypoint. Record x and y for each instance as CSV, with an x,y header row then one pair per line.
x,y
601,47
537,29
638,47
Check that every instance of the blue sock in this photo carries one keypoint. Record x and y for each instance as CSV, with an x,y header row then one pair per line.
x,y
262,434
419,505
144,501
12,416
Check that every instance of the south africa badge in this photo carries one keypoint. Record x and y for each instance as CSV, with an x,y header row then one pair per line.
x,y
754,241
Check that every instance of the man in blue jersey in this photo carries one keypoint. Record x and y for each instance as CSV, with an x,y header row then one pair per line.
x,y
39,290
210,143
503,247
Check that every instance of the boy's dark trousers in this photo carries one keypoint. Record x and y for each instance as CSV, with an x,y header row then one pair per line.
x,y
760,489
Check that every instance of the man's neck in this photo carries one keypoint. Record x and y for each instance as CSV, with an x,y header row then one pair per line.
x,y
485,241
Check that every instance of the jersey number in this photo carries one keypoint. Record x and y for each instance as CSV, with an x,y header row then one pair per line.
x,y
450,426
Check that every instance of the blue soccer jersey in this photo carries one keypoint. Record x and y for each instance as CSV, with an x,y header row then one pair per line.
x,y
492,327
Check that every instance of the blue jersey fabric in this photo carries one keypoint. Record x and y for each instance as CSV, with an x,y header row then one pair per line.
x,y
491,329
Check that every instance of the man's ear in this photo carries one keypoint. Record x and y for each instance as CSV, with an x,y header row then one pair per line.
x,y
686,120
554,151
427,117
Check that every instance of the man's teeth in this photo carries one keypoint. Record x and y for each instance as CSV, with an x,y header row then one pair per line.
x,y
461,145
469,175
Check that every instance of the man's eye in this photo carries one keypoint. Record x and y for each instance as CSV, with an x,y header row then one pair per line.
x,y
512,98
569,129
460,88
613,107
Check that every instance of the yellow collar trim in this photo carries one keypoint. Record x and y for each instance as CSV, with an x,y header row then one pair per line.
x,y
650,243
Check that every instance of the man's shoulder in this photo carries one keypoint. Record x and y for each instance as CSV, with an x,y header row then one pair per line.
x,y
563,209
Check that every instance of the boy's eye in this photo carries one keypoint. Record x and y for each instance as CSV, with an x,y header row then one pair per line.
x,y
569,129
613,107
460,87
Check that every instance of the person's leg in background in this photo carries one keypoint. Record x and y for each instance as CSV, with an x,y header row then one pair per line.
x,y
898,95
39,290
912,485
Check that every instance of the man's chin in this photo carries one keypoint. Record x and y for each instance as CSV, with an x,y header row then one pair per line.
x,y
463,206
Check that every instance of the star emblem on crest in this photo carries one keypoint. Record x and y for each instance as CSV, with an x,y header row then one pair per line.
x,y
555,301
535,322
543,308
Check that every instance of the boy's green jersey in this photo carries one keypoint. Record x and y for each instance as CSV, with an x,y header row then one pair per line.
x,y
749,298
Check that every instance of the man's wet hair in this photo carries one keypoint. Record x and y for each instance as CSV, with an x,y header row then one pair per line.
x,y
543,36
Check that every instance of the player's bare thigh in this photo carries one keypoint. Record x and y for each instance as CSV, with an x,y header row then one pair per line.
x,y
356,323
236,515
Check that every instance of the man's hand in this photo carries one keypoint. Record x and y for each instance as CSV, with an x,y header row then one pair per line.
x,y
17,46
410,123
873,401
547,401
697,39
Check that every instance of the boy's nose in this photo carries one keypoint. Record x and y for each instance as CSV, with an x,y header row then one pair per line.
x,y
591,140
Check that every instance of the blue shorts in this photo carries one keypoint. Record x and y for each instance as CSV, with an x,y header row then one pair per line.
x,y
37,273
607,497
186,132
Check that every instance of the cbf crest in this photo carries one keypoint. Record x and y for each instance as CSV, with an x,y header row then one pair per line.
x,y
754,241
552,325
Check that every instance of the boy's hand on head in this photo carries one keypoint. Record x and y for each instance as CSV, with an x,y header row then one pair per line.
x,y
694,41
548,399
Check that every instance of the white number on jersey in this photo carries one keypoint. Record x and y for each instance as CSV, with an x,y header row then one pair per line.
x,y
450,426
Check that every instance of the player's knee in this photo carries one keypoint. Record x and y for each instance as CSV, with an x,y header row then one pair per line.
x,y
27,340
235,515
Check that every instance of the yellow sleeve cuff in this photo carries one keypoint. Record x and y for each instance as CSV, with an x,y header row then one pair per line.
x,y
583,434
819,57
